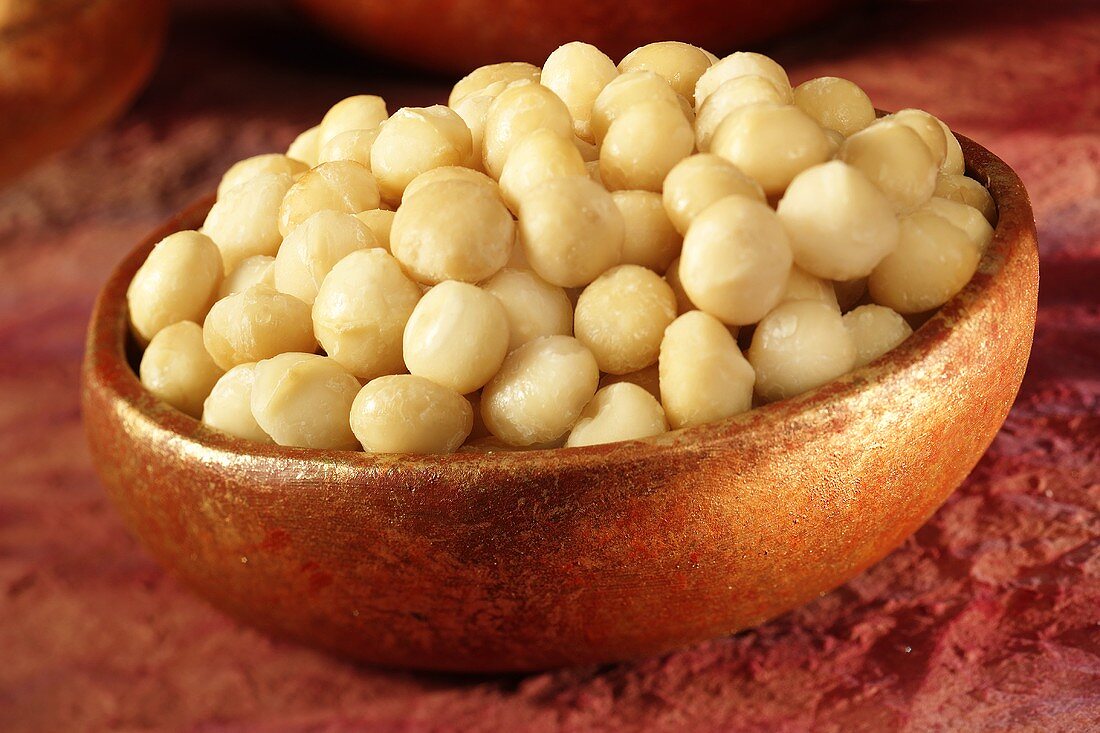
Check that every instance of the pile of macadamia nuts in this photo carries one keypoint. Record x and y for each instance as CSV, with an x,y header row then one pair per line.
x,y
565,256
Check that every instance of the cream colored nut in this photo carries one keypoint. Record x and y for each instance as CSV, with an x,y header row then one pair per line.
x,y
967,218
379,221
452,230
672,277
306,147
534,307
703,375
341,185
457,336
256,324
361,112
736,260
875,330
624,92
404,413
589,152
967,191
648,379
928,128
803,286
247,169
840,224
540,156
451,173
835,104
177,282
485,76
650,240
896,160
800,345
742,63
771,144
245,220
698,181
313,247
734,93
953,162
643,144
621,411
228,408
571,230
414,140
621,317
353,145
474,111
849,292
540,391
361,310
577,72
304,401
680,64
250,271
933,261
518,111
177,369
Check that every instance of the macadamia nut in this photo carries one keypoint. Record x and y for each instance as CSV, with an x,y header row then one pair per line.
x,y
414,140
248,272
835,104
643,144
540,156
933,261
703,375
452,230
736,260
680,64
361,112
304,400
803,286
518,111
176,367
732,94
650,240
484,76
577,72
571,230
620,411
342,185
540,391
177,282
247,169
353,145
967,218
360,313
457,336
742,63
228,407
928,128
534,307
875,330
896,160
624,92
967,191
244,221
622,316
800,345
405,413
379,221
256,324
313,247
840,224
698,181
771,144
306,147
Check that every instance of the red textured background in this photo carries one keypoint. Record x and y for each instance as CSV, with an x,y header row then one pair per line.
x,y
987,620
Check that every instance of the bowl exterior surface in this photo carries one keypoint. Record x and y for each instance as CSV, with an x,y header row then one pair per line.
x,y
461,36
523,561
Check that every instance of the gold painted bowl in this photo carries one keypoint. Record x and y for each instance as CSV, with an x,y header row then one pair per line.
x,y
531,560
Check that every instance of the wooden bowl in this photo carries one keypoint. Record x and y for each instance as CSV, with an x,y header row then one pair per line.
x,y
67,67
531,560
456,37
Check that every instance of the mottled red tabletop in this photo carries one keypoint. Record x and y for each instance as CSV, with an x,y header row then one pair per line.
x,y
987,620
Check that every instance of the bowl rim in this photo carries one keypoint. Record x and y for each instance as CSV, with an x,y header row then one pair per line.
x,y
107,366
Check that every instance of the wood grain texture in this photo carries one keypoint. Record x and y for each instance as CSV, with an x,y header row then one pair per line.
x,y
985,620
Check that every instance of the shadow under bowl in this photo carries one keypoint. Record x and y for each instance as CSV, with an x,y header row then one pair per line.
x,y
533,560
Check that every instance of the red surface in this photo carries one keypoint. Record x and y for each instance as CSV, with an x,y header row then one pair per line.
x,y
989,619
